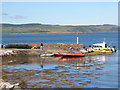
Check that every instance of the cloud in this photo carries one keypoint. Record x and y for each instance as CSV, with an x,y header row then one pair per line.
x,y
6,15
18,17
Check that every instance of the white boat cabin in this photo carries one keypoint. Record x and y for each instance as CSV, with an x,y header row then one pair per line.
x,y
100,45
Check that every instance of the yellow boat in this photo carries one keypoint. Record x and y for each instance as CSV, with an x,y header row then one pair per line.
x,y
102,48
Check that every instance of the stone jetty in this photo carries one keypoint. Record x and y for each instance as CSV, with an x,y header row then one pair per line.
x,y
48,49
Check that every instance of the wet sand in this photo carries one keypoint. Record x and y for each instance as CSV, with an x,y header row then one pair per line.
x,y
58,75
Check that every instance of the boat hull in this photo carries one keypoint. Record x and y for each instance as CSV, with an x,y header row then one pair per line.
x,y
69,55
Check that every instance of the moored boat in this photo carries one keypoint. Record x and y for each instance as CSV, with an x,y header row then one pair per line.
x,y
101,48
69,54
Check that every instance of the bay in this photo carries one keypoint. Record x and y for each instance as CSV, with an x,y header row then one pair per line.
x,y
85,38
100,71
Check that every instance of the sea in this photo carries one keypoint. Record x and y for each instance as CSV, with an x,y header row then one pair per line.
x,y
98,71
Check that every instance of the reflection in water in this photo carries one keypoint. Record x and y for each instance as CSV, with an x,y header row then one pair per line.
x,y
54,72
41,63
70,59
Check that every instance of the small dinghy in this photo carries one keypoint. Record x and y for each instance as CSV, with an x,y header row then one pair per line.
x,y
69,54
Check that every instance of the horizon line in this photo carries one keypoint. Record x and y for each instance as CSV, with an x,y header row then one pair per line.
x,y
60,24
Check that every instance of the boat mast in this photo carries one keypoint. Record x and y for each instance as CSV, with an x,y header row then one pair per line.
x,y
104,40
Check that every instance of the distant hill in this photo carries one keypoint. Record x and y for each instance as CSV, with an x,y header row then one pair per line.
x,y
42,28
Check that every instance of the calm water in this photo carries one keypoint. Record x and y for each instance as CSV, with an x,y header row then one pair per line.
x,y
86,38
99,71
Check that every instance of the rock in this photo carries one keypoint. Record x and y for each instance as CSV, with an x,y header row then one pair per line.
x,y
6,52
7,85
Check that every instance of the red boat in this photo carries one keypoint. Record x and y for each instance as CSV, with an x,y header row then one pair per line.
x,y
70,59
69,55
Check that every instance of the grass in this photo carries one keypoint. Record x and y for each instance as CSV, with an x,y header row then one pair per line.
x,y
41,28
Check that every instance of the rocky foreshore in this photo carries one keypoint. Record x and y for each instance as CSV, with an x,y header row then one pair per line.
x,y
48,49
6,52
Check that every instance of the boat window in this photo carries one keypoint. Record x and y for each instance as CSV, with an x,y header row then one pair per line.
x,y
98,46
105,45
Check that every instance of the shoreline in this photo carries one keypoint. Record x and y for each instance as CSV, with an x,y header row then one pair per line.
x,y
38,52
55,32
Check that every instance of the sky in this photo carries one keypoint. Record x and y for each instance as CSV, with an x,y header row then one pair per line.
x,y
60,13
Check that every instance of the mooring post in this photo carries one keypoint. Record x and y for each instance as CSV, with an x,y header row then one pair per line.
x,y
77,37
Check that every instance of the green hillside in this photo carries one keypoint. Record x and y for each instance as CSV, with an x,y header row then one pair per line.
x,y
42,28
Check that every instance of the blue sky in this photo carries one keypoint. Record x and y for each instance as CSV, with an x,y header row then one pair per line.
x,y
62,13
